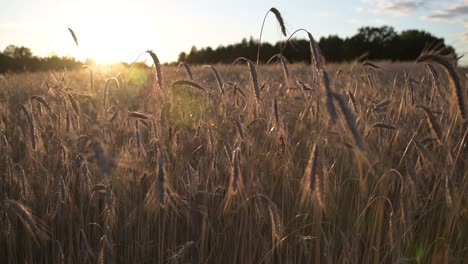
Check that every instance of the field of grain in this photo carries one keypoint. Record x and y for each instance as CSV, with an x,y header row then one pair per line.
x,y
351,163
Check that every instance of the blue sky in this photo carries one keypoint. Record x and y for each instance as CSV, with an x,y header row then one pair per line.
x,y
121,30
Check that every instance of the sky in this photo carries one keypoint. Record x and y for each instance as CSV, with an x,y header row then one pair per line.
x,y
122,30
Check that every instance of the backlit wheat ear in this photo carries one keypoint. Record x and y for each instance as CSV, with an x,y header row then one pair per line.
x,y
410,87
138,115
110,207
350,120
91,77
43,102
240,131
311,169
183,250
371,65
228,149
74,103
329,102
161,177
353,101
106,251
157,65
218,78
422,150
253,75
435,78
433,123
137,135
275,108
304,86
75,39
107,90
276,223
188,83
235,177
35,227
455,81
316,54
187,69
313,180
32,129
280,20
383,125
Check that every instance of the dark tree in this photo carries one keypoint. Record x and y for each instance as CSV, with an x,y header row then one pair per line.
x,y
379,43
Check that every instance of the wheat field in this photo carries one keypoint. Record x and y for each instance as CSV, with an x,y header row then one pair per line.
x,y
361,162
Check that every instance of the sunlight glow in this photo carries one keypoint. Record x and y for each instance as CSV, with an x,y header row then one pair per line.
x,y
113,39
105,36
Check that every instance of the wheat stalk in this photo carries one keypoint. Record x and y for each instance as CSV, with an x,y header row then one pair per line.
x,y
43,102
280,20
187,69
284,64
188,83
218,78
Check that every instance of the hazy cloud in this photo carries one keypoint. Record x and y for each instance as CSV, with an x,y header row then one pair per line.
x,y
393,7
457,10
464,36
360,21
456,14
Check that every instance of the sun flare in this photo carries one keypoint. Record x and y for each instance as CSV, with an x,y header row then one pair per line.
x,y
106,38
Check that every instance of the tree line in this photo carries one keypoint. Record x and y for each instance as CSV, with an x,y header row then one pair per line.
x,y
377,43
18,59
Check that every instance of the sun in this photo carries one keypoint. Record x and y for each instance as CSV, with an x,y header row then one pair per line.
x,y
105,37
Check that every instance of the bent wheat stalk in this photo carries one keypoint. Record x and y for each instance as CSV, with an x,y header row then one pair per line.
x,y
283,62
187,68
188,83
280,20
219,80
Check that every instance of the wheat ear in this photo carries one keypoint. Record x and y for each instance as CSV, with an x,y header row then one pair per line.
x,y
455,81
157,64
